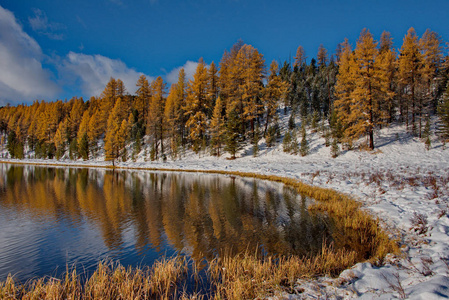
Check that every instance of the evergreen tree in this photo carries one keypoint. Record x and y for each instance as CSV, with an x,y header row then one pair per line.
x,y
304,149
14,146
83,146
217,128
335,150
432,56
427,134
255,142
294,143
233,137
273,92
212,87
156,120
287,142
443,114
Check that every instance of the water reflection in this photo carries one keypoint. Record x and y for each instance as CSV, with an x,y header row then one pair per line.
x,y
54,216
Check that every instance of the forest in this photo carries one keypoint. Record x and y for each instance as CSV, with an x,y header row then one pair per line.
x,y
345,97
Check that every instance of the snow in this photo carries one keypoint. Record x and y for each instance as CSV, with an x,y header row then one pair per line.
x,y
400,182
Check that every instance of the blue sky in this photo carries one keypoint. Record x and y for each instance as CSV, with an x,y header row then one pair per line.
x,y
59,49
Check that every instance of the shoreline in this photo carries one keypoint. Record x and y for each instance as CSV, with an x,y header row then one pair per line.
x,y
388,185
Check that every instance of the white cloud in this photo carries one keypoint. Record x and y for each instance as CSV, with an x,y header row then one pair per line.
x,y
41,25
189,68
22,77
93,72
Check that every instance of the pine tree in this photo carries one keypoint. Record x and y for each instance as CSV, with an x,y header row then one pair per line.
x,y
432,56
443,114
15,145
156,120
233,137
335,150
294,143
286,142
304,149
217,128
83,146
427,134
273,92
255,142
212,87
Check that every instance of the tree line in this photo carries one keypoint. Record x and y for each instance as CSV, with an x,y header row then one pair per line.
x,y
348,95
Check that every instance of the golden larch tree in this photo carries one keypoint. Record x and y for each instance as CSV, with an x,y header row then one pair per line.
x,y
197,106
410,73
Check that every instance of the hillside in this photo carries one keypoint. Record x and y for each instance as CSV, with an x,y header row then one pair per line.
x,y
400,182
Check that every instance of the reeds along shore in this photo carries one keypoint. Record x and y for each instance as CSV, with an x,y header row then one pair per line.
x,y
244,276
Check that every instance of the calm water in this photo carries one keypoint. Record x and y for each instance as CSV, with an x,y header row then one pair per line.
x,y
51,217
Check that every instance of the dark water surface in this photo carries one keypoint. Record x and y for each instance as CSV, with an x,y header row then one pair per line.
x,y
53,217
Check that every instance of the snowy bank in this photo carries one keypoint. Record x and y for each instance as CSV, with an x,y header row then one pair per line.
x,y
400,182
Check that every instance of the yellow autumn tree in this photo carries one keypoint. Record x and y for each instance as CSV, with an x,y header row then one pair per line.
x,y
388,62
252,70
367,90
197,106
113,141
60,139
410,68
322,57
300,57
143,97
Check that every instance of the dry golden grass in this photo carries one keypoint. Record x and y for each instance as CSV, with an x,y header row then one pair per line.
x,y
241,277
248,276
109,281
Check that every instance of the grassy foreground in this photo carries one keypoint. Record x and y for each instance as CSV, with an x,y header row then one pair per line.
x,y
245,276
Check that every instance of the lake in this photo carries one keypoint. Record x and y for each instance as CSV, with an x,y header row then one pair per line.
x,y
51,217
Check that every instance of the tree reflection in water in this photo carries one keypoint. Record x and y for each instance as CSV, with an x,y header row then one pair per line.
x,y
201,215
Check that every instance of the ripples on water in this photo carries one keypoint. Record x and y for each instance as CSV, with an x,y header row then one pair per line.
x,y
54,217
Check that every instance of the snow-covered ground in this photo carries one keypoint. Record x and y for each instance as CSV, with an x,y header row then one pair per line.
x,y
400,182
